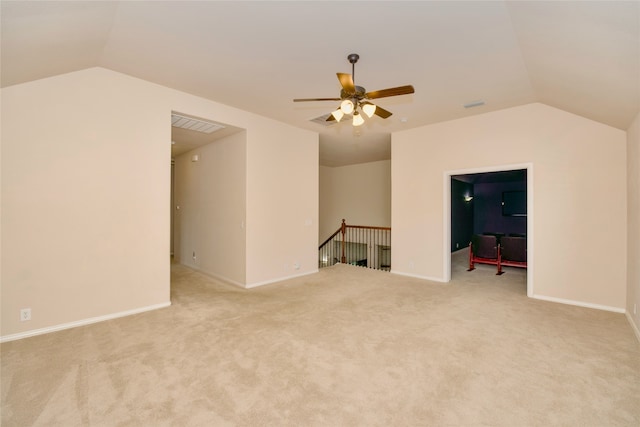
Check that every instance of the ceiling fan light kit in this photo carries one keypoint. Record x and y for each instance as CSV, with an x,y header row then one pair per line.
x,y
353,97
368,108
347,106
337,114
357,119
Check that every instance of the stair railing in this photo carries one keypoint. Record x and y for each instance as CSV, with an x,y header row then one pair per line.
x,y
360,245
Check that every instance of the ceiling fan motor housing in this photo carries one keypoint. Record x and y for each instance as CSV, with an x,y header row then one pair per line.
x,y
358,94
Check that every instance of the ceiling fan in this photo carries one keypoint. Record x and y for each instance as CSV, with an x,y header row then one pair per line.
x,y
354,97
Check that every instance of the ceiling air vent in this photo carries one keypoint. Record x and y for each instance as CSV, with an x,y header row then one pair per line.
x,y
472,104
194,124
322,120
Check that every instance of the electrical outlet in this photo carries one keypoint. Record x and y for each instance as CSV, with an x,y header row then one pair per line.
x,y
25,314
296,266
635,308
457,245
194,255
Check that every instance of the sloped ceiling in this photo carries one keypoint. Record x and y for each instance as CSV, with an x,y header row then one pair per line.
x,y
582,57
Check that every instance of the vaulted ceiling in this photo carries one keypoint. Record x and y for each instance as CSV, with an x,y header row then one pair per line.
x,y
582,57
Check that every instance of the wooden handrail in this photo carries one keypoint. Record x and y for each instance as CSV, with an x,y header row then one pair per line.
x,y
330,237
343,227
342,250
369,227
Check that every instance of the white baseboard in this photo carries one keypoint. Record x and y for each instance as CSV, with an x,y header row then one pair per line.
x,y
280,279
416,276
633,325
579,303
83,322
216,276
249,285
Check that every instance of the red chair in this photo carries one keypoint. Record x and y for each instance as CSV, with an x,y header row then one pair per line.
x,y
484,249
513,251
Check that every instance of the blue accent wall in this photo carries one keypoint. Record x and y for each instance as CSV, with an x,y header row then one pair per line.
x,y
484,214
461,214
488,209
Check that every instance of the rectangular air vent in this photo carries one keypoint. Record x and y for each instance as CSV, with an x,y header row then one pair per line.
x,y
194,124
322,120
472,104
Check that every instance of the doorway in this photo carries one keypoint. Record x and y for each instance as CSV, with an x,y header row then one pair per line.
x,y
516,219
208,160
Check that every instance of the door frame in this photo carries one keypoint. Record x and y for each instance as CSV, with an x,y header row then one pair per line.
x,y
446,250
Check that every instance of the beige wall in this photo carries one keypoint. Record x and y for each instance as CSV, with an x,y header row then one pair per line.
x,y
211,194
360,193
579,197
281,190
85,196
633,218
85,190
282,202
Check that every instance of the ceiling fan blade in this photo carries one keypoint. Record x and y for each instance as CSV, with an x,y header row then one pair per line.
x,y
315,99
381,112
347,82
394,91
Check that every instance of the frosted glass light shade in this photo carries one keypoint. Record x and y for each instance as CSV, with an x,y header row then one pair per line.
x,y
369,109
357,119
337,114
346,106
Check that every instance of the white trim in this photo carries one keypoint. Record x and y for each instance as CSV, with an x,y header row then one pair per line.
x,y
83,322
579,303
215,276
633,325
268,282
531,253
242,285
431,279
446,251
446,229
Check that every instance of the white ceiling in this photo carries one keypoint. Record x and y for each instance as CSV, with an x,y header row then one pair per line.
x,y
583,57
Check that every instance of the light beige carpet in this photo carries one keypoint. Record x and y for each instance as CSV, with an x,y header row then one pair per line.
x,y
345,347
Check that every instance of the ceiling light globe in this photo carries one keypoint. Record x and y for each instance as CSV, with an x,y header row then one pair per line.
x,y
357,119
369,109
337,114
347,106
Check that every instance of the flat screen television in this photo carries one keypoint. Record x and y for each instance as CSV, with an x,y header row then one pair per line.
x,y
514,203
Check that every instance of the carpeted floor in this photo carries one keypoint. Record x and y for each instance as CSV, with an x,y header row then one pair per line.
x,y
345,347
